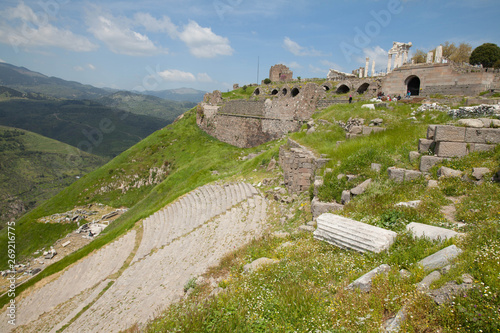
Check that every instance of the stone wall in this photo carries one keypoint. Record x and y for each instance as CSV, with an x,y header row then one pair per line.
x,y
280,73
453,141
266,117
438,79
299,165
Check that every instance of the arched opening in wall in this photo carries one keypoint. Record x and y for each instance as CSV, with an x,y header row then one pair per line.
x,y
295,92
256,92
362,88
326,87
413,85
342,89
284,91
274,92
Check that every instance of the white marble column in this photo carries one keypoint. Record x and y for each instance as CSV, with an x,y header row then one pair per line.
x,y
430,56
389,63
373,67
366,66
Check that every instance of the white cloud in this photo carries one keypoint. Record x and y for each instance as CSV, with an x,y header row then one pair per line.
x,y
155,25
318,70
204,77
331,64
177,76
376,53
298,50
78,68
119,38
203,43
21,27
294,65
90,66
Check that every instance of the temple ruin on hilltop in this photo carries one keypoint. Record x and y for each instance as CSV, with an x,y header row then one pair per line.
x,y
286,104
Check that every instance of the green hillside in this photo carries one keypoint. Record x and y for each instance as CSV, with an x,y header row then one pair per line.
x,y
146,105
34,168
305,291
84,124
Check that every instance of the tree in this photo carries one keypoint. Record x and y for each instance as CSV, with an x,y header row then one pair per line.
x,y
420,57
462,53
267,81
486,55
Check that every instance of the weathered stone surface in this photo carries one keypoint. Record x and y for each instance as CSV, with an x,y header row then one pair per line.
x,y
306,228
427,281
411,204
432,183
440,258
431,130
364,283
451,149
350,234
271,165
413,156
450,289
479,173
356,130
481,147
425,145
368,106
396,174
476,123
446,172
482,135
449,133
257,264
429,231
412,175
361,188
319,207
346,197
376,121
427,162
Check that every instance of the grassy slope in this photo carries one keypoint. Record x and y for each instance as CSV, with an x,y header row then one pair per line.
x,y
34,168
191,154
305,291
109,131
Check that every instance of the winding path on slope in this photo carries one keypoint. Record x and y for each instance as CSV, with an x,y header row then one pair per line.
x,y
178,242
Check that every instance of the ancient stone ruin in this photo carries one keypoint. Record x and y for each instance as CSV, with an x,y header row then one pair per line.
x,y
280,73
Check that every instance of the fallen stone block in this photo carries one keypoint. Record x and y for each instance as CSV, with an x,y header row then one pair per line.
x,y
346,197
411,204
425,145
376,167
476,123
449,133
451,149
482,135
396,174
431,130
350,234
361,188
364,283
257,264
66,243
427,281
481,147
413,156
356,130
368,106
412,175
367,130
432,183
319,207
440,258
479,173
446,172
427,162
306,228
430,231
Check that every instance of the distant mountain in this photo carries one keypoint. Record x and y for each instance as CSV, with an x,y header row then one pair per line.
x,y
25,80
146,105
33,168
180,94
88,125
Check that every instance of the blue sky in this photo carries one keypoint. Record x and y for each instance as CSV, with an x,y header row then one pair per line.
x,y
207,45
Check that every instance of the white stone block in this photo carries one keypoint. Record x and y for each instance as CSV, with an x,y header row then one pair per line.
x,y
350,234
430,231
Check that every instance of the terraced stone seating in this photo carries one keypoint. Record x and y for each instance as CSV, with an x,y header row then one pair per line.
x,y
206,224
189,212
83,275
